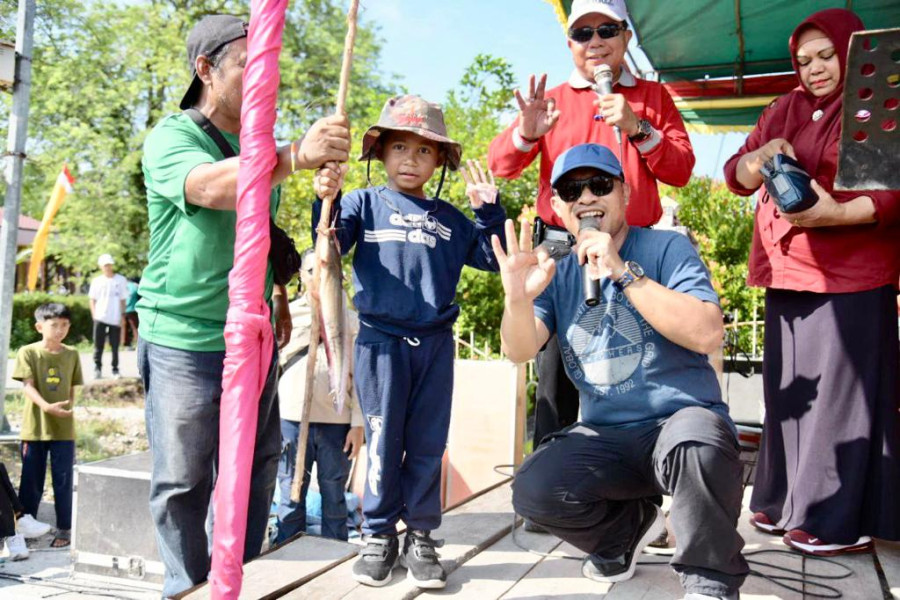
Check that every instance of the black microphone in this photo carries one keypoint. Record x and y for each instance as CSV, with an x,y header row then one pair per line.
x,y
591,286
603,78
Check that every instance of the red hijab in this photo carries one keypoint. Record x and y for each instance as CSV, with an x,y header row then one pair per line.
x,y
821,259
795,113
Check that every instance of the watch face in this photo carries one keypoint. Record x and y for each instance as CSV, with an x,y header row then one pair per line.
x,y
636,269
644,131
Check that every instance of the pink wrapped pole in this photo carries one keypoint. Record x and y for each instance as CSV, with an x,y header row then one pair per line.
x,y
248,330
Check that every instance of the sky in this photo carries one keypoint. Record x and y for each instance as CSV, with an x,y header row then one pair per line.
x,y
429,44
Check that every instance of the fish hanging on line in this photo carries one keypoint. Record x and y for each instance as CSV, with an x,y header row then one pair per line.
x,y
335,332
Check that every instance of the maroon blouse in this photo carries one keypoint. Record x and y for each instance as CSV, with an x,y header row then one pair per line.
x,y
821,259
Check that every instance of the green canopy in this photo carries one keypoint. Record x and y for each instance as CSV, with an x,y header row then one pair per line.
x,y
700,39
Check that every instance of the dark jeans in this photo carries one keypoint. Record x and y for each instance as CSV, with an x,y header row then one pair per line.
x,y
584,483
325,448
34,473
101,332
183,390
10,505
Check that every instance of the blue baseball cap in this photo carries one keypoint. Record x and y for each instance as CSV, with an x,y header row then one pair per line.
x,y
586,155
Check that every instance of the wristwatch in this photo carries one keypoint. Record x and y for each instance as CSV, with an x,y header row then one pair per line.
x,y
632,273
645,130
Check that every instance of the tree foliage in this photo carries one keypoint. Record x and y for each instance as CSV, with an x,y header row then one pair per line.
x,y
722,224
477,110
105,73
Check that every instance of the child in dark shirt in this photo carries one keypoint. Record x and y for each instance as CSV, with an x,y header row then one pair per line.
x,y
410,252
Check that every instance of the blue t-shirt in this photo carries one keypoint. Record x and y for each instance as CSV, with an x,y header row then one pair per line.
x,y
409,255
626,372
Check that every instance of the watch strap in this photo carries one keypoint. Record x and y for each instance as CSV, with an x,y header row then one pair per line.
x,y
645,130
628,276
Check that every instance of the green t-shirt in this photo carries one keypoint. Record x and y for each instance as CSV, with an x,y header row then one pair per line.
x,y
132,297
54,375
184,288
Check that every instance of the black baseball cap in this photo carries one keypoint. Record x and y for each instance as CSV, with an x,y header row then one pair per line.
x,y
207,36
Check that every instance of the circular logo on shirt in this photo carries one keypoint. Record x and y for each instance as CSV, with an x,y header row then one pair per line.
x,y
608,340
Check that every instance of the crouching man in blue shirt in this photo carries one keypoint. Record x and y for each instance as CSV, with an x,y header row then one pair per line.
x,y
652,417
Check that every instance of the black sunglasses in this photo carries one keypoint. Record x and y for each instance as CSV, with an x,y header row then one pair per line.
x,y
605,31
570,190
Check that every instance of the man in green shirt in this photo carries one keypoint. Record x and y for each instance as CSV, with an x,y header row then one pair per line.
x,y
50,371
191,195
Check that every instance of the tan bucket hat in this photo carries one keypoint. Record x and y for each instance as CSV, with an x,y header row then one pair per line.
x,y
412,113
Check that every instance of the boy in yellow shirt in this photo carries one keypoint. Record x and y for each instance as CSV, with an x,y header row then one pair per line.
x,y
50,371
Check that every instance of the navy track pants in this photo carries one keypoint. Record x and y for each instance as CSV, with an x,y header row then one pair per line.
x,y
404,386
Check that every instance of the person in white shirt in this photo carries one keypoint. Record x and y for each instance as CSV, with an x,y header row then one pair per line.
x,y
108,294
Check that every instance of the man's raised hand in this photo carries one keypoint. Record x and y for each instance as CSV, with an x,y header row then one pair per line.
x,y
480,188
525,273
327,139
537,115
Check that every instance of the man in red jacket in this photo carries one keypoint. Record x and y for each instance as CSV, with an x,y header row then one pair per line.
x,y
655,147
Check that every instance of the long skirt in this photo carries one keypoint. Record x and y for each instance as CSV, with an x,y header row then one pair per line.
x,y
829,463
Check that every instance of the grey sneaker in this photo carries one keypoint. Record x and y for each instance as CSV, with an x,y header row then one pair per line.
x,y
621,568
695,596
421,559
376,560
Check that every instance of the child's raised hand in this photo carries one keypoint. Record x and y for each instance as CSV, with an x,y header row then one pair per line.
x,y
329,179
525,273
480,188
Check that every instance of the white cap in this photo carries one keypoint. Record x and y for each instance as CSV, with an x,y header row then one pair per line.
x,y
614,9
105,259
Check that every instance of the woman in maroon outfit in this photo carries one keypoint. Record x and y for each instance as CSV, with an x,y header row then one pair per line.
x,y
828,475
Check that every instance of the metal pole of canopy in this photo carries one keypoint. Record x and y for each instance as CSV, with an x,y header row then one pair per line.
x,y
739,76
18,134
632,64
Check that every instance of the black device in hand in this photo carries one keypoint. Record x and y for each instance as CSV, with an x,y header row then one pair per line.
x,y
557,241
788,184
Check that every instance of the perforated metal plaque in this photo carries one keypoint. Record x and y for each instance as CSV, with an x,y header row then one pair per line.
x,y
869,152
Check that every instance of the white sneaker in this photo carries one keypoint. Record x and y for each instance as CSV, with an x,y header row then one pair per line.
x,y
30,528
15,548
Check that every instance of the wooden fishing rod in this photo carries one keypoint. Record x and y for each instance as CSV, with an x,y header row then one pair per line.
x,y
323,238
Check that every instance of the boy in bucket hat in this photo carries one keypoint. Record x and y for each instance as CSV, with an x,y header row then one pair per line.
x,y
410,251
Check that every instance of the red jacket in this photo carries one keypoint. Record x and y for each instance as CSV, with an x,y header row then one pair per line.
x,y
842,259
669,160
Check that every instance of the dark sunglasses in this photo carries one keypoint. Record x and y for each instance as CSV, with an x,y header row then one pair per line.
x,y
570,190
605,31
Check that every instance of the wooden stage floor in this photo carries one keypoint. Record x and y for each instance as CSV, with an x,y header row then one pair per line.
x,y
484,561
